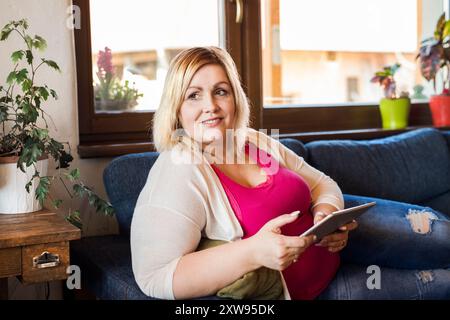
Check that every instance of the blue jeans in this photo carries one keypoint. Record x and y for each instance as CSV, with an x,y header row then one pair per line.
x,y
411,249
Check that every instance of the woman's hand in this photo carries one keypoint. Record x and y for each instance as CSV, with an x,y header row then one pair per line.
x,y
338,240
274,250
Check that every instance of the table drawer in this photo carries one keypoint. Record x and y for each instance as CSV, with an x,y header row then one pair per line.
x,y
45,262
10,262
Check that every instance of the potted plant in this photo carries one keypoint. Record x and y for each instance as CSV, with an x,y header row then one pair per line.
x,y
25,141
394,109
434,56
109,92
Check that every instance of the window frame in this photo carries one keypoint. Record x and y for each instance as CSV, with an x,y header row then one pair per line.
x,y
113,134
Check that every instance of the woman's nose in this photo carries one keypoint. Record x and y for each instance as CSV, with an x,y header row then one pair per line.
x,y
210,105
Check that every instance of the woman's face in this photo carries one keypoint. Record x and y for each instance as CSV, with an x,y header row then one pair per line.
x,y
208,108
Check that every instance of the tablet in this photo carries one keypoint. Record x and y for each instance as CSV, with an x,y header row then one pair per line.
x,y
337,219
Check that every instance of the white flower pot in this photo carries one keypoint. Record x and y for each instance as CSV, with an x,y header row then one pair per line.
x,y
14,198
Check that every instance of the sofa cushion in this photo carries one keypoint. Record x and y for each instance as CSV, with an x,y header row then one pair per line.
x,y
410,167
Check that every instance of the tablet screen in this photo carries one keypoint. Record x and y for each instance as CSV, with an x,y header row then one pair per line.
x,y
336,220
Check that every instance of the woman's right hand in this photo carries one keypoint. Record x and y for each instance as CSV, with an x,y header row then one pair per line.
x,y
273,250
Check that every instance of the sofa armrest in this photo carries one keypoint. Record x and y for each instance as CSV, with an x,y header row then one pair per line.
x,y
447,137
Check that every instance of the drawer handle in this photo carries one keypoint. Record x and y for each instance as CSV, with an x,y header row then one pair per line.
x,y
46,260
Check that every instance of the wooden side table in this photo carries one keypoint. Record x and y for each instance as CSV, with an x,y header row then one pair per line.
x,y
34,247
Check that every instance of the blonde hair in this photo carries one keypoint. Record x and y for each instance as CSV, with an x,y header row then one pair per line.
x,y
180,73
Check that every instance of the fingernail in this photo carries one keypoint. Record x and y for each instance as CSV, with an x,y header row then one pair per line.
x,y
314,238
295,213
343,228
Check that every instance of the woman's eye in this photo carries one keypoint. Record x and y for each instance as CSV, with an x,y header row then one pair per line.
x,y
221,92
193,96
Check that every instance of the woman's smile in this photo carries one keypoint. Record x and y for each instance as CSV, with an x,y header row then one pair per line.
x,y
213,122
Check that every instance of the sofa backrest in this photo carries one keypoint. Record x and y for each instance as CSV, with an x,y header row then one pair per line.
x,y
410,167
125,177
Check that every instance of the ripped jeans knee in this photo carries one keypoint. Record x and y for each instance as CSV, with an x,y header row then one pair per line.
x,y
421,220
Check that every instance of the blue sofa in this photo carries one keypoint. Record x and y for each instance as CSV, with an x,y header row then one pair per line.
x,y
403,172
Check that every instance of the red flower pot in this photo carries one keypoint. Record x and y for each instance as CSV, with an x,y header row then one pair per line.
x,y
440,110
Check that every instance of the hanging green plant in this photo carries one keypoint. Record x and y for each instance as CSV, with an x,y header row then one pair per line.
x,y
25,133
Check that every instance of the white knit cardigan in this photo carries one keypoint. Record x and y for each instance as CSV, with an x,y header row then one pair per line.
x,y
180,203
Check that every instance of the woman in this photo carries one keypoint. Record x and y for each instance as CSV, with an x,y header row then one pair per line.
x,y
218,179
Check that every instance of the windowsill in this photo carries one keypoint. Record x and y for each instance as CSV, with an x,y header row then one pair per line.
x,y
117,149
113,149
374,104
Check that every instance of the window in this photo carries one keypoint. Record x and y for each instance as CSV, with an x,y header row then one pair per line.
x,y
319,57
136,42
123,52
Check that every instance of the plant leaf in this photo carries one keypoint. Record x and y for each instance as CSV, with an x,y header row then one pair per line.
x,y
53,93
43,92
29,56
21,75
43,189
110,211
30,154
29,113
79,190
23,23
93,200
74,175
5,34
17,55
28,185
26,85
11,77
64,160
39,134
57,203
51,64
74,218
39,43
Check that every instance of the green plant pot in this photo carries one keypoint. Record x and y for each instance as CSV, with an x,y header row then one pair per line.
x,y
394,113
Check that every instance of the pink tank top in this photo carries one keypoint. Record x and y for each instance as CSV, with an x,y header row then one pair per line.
x,y
283,192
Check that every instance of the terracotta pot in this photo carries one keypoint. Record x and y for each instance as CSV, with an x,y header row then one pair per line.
x,y
14,198
440,110
394,113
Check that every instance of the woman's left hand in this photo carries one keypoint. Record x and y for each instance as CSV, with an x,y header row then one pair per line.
x,y
338,240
